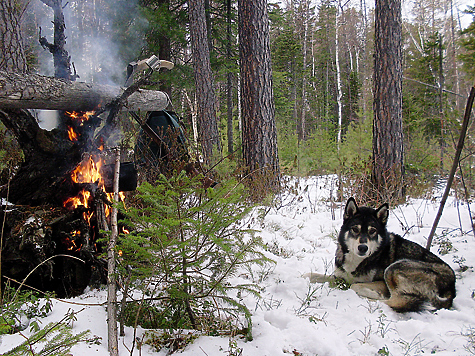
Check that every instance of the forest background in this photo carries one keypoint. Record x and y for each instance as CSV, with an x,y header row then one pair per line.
x,y
322,66
322,61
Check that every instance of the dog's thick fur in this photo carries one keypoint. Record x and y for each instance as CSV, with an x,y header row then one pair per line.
x,y
382,265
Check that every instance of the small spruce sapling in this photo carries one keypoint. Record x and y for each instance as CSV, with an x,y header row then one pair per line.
x,y
186,244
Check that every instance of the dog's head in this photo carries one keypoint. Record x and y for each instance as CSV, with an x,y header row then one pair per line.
x,y
364,229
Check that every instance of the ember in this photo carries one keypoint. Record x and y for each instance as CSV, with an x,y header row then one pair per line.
x,y
73,136
80,117
70,244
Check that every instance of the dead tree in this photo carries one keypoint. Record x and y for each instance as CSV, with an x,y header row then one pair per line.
x,y
61,58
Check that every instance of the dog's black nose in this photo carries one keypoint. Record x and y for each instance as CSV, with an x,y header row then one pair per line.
x,y
362,249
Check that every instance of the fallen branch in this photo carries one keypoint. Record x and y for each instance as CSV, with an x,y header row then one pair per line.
x,y
458,152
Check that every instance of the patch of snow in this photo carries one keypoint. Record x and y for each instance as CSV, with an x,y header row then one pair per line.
x,y
296,317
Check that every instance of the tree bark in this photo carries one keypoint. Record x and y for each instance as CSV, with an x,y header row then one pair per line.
x,y
388,146
12,49
113,344
32,91
61,58
259,134
206,98
229,77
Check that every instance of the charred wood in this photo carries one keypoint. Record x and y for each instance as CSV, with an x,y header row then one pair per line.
x,y
32,235
49,157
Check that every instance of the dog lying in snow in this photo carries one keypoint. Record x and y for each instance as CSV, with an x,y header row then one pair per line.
x,y
385,266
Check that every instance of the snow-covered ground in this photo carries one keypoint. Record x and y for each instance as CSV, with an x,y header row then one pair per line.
x,y
294,317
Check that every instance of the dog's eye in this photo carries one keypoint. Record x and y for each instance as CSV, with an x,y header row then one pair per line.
x,y
372,231
355,229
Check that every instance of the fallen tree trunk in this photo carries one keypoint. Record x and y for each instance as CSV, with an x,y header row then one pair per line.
x,y
32,91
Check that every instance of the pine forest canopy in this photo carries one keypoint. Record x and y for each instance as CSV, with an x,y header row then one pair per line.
x,y
322,64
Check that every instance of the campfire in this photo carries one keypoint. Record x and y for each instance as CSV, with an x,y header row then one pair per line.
x,y
88,171
89,180
71,224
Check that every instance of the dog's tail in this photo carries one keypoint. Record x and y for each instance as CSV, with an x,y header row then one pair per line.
x,y
445,300
407,302
415,302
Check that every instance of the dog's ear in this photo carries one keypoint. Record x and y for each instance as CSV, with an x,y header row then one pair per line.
x,y
383,213
351,209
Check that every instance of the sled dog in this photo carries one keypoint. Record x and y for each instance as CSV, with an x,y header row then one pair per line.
x,y
382,265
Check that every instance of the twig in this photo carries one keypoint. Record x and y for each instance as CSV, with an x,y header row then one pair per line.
x,y
463,132
2,232
58,299
203,351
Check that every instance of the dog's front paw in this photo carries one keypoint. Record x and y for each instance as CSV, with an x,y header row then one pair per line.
x,y
317,277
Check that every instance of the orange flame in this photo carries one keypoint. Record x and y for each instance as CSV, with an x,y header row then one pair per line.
x,y
82,199
88,171
80,116
72,135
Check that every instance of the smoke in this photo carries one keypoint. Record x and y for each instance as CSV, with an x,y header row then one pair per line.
x,y
102,37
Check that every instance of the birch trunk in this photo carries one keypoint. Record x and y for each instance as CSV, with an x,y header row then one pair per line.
x,y
113,344
338,74
304,79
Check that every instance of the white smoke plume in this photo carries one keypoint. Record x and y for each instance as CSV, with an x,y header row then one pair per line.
x,y
102,37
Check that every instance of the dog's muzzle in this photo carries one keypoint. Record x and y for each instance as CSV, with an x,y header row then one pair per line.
x,y
362,249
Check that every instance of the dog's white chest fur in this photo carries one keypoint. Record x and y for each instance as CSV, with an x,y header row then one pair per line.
x,y
351,262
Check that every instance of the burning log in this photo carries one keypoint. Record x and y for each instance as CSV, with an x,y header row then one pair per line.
x,y
32,235
72,207
55,174
32,91
49,157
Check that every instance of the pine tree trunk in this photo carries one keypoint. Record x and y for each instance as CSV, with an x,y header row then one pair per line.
x,y
13,56
259,135
388,149
164,50
207,122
